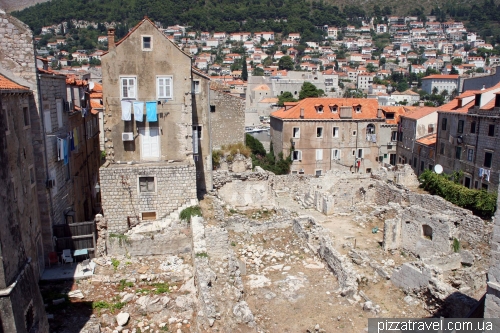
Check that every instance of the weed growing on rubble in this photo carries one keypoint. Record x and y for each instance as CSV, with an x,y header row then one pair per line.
x,y
187,213
233,244
456,245
202,255
122,239
103,305
124,284
161,288
115,263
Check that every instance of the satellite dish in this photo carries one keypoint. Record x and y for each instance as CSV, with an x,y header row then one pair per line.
x,y
91,85
438,169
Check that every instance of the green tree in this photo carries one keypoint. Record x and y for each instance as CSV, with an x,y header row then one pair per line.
x,y
370,68
456,61
453,71
309,90
255,145
244,71
285,97
286,62
402,86
257,71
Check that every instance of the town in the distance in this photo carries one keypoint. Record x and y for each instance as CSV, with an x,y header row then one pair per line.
x,y
167,179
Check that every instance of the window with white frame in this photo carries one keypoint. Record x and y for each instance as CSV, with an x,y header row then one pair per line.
x,y
196,137
164,87
128,87
335,132
297,155
335,154
296,132
319,154
147,43
196,87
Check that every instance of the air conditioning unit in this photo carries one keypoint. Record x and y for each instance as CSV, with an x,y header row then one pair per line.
x,y
128,136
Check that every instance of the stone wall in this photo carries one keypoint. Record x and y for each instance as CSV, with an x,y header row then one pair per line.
x,y
492,303
123,204
174,241
227,121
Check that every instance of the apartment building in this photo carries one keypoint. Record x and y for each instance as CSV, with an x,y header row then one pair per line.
x,y
468,138
322,133
448,82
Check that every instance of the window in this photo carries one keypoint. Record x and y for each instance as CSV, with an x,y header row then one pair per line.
x,y
6,121
467,182
422,165
415,162
426,232
319,108
430,128
296,132
458,152
333,108
318,172
353,133
484,186
335,132
196,137
389,115
370,129
319,154
460,128
129,87
470,154
147,43
360,153
149,216
335,154
394,136
212,108
491,130
26,115
443,124
164,87
297,155
319,132
358,109
487,159
473,127
196,87
146,184
441,149
47,121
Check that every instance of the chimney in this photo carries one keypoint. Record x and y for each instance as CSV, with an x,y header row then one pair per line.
x,y
111,39
301,113
380,113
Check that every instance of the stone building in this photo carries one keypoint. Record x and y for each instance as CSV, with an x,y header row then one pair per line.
x,y
468,137
322,133
492,301
448,82
417,139
145,70
64,189
227,117
22,257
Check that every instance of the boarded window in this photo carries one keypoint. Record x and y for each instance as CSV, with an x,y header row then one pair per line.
x,y
146,184
149,216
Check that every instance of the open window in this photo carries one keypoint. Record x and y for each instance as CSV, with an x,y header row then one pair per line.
x,y
426,232
370,129
297,155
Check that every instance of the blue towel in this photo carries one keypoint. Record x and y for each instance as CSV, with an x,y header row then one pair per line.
x,y
139,111
151,111
66,151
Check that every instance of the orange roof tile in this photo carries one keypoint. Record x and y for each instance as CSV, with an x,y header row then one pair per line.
x,y
397,110
428,140
269,100
421,112
6,84
369,108
438,76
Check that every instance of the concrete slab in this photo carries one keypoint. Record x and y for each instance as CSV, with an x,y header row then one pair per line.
x,y
68,272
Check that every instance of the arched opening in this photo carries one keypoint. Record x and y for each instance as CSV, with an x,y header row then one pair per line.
x,y
427,231
370,129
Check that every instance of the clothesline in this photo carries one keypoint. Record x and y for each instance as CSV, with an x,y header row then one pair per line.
x,y
138,107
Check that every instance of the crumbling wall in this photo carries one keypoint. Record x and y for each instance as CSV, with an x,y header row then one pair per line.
x,y
319,241
492,302
174,241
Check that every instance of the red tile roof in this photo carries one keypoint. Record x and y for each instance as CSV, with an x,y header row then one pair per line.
x,y
428,140
421,112
438,76
6,84
369,108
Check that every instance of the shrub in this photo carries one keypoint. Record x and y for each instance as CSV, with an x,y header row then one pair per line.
x,y
456,245
202,255
115,263
186,213
480,202
255,145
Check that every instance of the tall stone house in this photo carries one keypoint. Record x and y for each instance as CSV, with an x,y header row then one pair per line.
x,y
417,139
150,170
468,137
322,133
21,252
65,188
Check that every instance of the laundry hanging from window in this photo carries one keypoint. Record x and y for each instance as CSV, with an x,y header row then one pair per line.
x,y
151,111
126,110
139,111
60,149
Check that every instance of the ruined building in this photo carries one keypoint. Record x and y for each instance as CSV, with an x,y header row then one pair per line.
x,y
326,132
22,258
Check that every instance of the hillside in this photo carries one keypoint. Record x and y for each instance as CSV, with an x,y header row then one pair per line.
x,y
11,5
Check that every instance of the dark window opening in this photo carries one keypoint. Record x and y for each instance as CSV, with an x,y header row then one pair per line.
x,y
212,108
487,159
427,232
473,127
458,152
389,115
467,182
146,42
491,130
444,123
460,128
147,184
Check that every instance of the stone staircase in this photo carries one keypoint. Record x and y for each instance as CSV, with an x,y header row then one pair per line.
x,y
163,223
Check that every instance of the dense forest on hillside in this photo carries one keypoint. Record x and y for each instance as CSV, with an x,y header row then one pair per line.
x,y
209,15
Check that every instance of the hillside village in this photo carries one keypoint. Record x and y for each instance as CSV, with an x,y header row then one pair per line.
x,y
137,200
